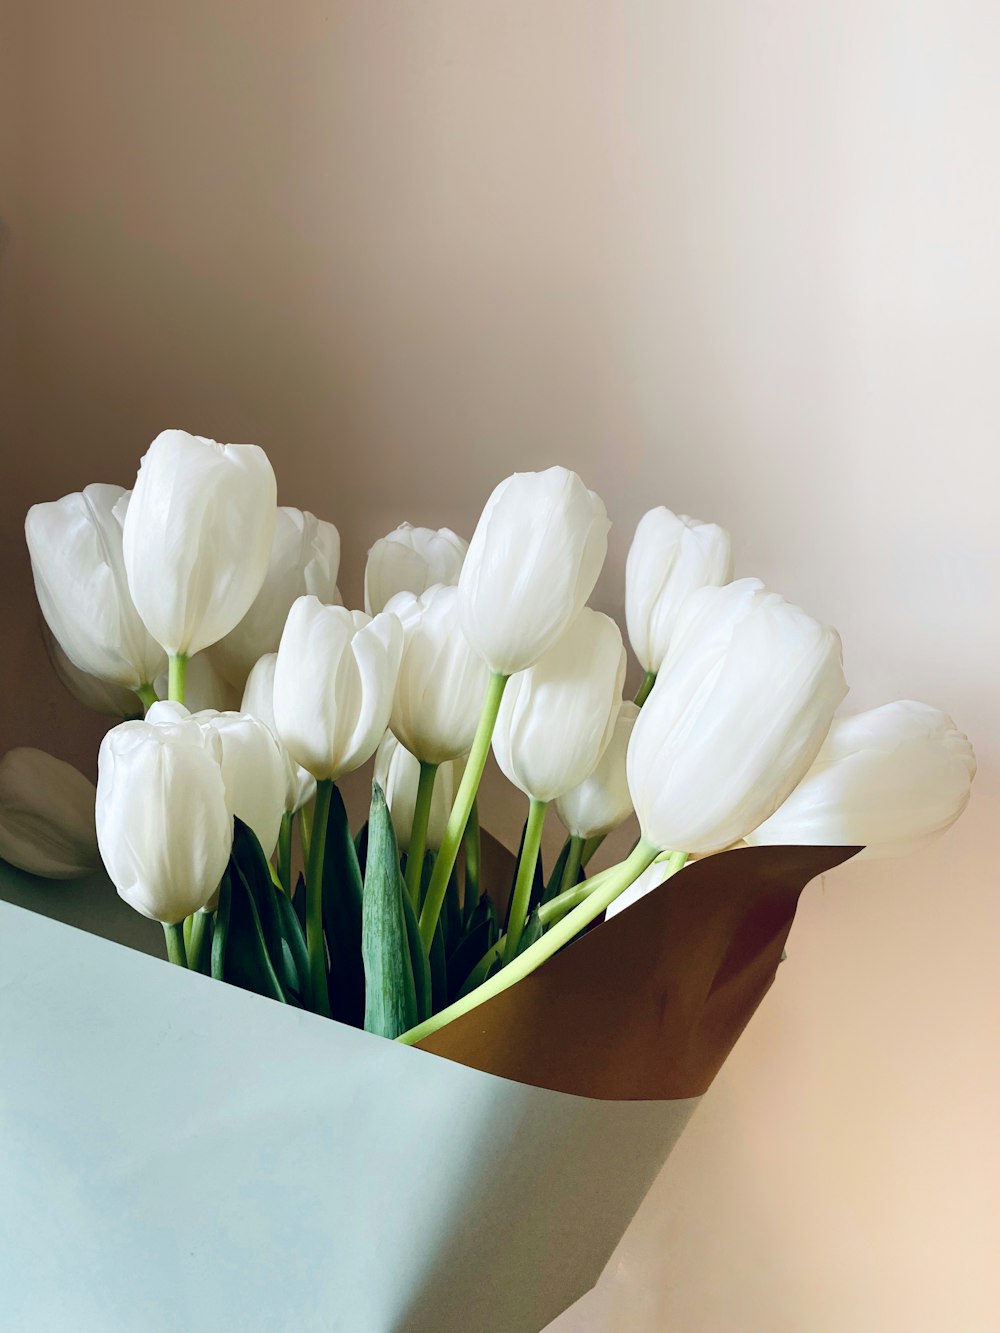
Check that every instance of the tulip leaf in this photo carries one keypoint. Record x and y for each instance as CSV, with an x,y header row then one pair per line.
x,y
361,846
439,968
452,913
418,960
294,972
256,870
532,932
555,879
342,898
475,943
390,992
249,954
299,899
220,933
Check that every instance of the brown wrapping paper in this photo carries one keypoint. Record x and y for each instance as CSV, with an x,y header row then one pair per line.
x,y
648,1005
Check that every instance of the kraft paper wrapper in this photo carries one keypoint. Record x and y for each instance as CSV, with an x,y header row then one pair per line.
x,y
176,1153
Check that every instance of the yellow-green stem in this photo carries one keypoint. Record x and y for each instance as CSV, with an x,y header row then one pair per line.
x,y
555,938
177,677
418,833
525,878
174,935
459,816
196,941
147,695
574,859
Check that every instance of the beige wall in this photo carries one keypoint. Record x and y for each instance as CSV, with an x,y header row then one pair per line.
x,y
736,258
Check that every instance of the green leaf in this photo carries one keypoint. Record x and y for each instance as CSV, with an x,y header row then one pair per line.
x,y
418,960
247,962
253,865
531,933
439,969
473,946
294,973
555,879
220,934
390,992
342,897
361,846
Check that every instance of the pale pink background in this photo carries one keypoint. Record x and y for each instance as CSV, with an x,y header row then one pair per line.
x,y
736,258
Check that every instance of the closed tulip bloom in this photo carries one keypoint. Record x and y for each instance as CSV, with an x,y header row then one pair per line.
x,y
558,716
258,700
103,696
602,800
888,780
198,536
738,713
411,560
79,570
671,556
333,685
205,687
397,772
305,558
532,563
46,816
163,825
442,679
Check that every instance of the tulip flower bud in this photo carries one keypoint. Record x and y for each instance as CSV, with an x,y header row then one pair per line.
x,y
305,558
888,780
671,556
397,772
252,767
411,560
442,680
738,713
333,685
558,716
103,696
532,563
198,537
204,687
79,570
258,701
602,800
46,816
163,825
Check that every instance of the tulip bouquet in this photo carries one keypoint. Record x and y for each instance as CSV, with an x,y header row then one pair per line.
x,y
210,619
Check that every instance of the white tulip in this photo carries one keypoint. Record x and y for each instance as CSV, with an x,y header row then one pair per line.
x,y
163,825
442,680
305,558
103,696
671,556
411,560
198,537
78,566
738,713
258,700
252,767
888,780
204,687
46,815
602,800
333,685
397,772
558,716
532,563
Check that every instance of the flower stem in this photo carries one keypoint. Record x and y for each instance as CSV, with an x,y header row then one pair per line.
x,y
648,681
560,934
315,943
590,847
174,935
177,677
525,878
459,816
147,695
199,923
305,814
285,852
574,859
418,834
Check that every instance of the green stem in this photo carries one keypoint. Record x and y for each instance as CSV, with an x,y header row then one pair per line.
x,y
305,828
177,677
174,935
553,940
590,848
642,693
574,859
147,695
285,853
199,924
525,878
314,900
457,820
473,861
418,834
